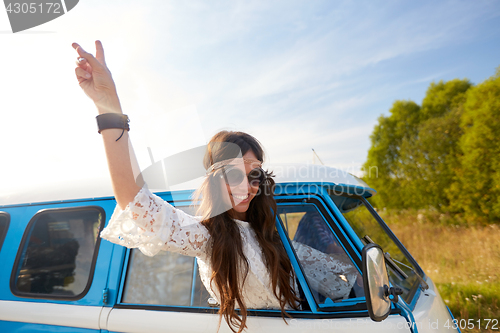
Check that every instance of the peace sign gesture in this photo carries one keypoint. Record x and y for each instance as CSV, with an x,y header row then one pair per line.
x,y
95,79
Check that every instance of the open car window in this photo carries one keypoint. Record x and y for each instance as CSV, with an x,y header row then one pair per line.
x,y
167,279
331,275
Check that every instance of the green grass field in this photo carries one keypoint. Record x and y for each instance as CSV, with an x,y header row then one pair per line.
x,y
462,260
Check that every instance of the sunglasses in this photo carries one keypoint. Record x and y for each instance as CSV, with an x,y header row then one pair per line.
x,y
235,176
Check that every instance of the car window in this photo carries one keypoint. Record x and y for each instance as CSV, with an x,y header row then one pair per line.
x,y
167,278
58,253
328,269
364,223
4,225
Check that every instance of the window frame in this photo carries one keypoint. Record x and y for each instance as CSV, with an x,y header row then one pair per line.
x,y
394,238
416,286
23,244
414,291
350,305
159,307
4,234
125,277
120,304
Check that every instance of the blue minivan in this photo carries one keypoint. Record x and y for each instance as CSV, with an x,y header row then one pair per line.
x,y
57,275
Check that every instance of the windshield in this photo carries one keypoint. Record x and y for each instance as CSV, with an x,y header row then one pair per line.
x,y
365,224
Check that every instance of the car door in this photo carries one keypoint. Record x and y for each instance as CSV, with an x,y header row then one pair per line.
x,y
164,293
54,267
336,300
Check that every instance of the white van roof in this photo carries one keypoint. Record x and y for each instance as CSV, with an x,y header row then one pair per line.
x,y
99,187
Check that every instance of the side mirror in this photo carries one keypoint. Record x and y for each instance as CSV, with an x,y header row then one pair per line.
x,y
376,283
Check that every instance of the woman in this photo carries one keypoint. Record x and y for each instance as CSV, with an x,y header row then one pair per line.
x,y
242,261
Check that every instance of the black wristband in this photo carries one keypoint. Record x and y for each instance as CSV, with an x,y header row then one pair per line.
x,y
112,120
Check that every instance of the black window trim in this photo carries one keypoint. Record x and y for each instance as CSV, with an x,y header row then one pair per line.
x,y
22,245
4,234
273,313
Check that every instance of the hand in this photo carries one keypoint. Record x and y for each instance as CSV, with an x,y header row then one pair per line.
x,y
95,79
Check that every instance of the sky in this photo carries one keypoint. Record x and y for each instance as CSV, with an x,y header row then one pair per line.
x,y
297,75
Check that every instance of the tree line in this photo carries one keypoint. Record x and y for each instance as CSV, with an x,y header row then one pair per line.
x,y
443,154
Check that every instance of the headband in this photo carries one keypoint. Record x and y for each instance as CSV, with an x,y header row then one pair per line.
x,y
223,163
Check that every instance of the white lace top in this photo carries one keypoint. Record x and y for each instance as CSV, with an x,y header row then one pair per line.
x,y
151,224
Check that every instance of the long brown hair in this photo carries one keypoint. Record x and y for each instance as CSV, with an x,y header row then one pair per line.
x,y
229,264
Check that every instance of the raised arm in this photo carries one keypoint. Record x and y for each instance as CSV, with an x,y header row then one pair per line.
x,y
95,79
